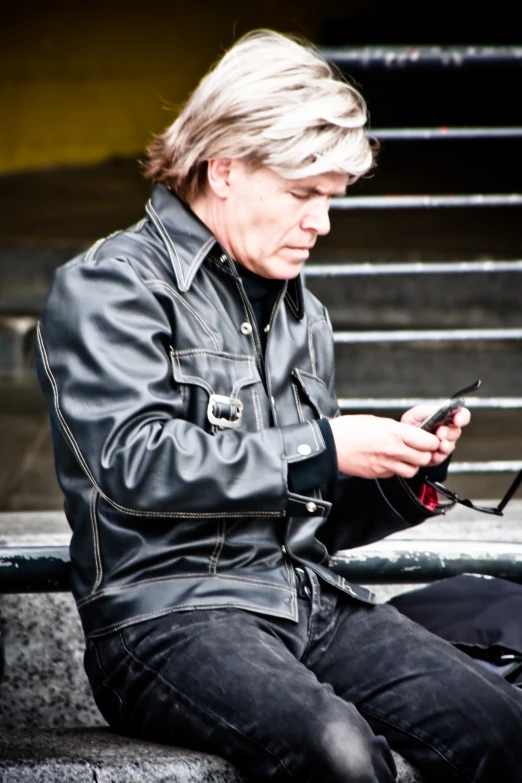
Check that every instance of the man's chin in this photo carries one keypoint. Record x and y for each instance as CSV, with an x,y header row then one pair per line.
x,y
289,264
288,270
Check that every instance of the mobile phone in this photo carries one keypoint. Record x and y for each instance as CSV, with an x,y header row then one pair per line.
x,y
444,414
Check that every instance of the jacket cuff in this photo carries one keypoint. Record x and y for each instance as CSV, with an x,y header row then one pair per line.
x,y
318,471
302,441
302,506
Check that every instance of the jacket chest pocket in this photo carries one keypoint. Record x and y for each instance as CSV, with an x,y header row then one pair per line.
x,y
219,390
312,397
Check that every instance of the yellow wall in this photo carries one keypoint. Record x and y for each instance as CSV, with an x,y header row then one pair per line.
x,y
84,81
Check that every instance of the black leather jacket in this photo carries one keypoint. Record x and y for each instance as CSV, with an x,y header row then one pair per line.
x,y
173,435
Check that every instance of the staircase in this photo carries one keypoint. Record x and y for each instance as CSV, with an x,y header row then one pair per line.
x,y
422,272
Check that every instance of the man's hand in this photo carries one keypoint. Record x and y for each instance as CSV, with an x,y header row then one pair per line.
x,y
377,447
448,434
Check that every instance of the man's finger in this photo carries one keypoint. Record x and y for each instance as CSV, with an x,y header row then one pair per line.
x,y
405,470
419,439
446,447
414,457
462,417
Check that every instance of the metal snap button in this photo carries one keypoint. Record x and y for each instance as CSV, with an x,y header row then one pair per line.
x,y
311,507
246,328
267,328
304,449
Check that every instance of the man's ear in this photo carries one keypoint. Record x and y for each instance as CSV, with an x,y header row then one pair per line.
x,y
218,176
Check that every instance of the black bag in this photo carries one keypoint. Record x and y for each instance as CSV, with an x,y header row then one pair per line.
x,y
481,615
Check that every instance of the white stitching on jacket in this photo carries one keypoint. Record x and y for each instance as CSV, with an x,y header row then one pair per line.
x,y
172,578
169,244
314,436
198,258
305,374
293,303
199,381
311,349
301,375
214,557
194,379
89,256
96,542
123,509
257,408
178,607
298,403
151,282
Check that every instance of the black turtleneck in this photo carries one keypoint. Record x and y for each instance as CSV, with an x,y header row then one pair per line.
x,y
320,470
262,294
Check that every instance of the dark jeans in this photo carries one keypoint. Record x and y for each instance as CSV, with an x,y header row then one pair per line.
x,y
321,700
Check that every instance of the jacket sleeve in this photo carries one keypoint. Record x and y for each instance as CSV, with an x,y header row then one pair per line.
x,y
103,363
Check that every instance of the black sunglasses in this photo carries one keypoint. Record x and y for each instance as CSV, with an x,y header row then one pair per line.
x,y
498,510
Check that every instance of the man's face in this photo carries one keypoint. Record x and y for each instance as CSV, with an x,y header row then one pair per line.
x,y
270,223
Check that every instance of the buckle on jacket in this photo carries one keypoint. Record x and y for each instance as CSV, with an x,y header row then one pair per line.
x,y
224,411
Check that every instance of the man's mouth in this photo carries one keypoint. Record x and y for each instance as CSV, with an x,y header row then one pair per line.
x,y
304,251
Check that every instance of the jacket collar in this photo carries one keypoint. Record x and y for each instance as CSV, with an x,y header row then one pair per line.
x,y
189,241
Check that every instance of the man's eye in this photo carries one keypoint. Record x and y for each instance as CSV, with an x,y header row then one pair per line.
x,y
300,196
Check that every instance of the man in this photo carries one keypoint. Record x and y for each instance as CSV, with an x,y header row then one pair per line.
x,y
207,473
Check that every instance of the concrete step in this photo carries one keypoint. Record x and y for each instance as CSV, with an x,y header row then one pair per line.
x,y
87,755
428,369
485,300
99,755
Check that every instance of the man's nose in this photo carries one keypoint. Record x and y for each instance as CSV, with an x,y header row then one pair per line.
x,y
317,218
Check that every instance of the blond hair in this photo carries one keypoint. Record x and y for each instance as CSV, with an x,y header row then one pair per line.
x,y
271,101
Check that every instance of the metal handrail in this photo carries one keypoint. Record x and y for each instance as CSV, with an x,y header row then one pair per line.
x,y
428,201
37,569
425,560
34,569
421,56
411,268
403,403
428,134
487,466
425,335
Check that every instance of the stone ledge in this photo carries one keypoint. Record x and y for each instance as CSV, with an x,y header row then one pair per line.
x,y
100,756
44,684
